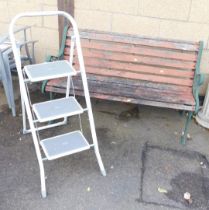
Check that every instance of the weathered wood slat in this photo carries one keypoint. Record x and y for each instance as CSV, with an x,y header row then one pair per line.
x,y
130,91
140,101
144,84
126,100
123,58
143,93
136,50
137,68
137,76
130,39
61,82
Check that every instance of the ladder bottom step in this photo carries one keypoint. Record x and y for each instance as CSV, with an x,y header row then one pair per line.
x,y
63,145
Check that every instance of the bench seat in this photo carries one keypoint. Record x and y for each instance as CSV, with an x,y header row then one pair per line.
x,y
131,91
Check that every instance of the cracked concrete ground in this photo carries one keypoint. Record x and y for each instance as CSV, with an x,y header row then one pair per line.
x,y
140,150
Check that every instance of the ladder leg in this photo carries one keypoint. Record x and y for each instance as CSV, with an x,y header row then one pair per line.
x,y
43,180
35,136
88,104
99,160
40,161
94,137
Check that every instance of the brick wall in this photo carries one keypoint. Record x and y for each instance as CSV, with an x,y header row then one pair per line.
x,y
45,29
177,19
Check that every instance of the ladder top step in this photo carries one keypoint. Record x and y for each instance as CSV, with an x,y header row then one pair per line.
x,y
49,70
56,109
63,145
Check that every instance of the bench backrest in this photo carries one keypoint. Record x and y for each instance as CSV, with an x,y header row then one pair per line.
x,y
141,70
156,60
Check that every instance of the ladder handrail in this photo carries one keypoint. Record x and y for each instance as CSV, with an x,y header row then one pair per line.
x,y
38,14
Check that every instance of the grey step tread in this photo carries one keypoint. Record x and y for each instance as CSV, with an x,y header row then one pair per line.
x,y
49,70
63,145
57,108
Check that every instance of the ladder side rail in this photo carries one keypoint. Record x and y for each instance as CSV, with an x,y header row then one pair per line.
x,y
24,116
88,101
71,52
26,104
72,46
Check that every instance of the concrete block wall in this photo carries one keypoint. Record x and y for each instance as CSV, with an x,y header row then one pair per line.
x,y
177,19
45,29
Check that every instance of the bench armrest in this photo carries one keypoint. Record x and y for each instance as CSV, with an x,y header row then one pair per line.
x,y
60,55
51,58
200,79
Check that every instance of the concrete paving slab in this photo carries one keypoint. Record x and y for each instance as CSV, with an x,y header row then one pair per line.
x,y
177,171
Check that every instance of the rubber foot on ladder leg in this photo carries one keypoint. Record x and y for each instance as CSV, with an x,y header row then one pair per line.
x,y
24,132
43,194
103,172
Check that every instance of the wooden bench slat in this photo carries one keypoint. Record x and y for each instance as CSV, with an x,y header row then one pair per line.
x,y
126,100
126,38
61,82
144,93
129,58
141,101
137,50
101,81
126,67
137,76
141,83
154,94
142,75
139,59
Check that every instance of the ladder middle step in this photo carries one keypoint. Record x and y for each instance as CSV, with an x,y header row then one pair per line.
x,y
56,109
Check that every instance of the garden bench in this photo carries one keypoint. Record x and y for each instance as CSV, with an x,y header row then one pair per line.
x,y
134,69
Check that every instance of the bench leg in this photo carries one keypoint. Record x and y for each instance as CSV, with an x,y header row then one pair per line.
x,y
51,95
184,132
43,87
181,112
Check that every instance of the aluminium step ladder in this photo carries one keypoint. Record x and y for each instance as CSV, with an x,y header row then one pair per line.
x,y
65,144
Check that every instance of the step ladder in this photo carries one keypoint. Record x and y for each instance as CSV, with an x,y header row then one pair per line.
x,y
57,109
